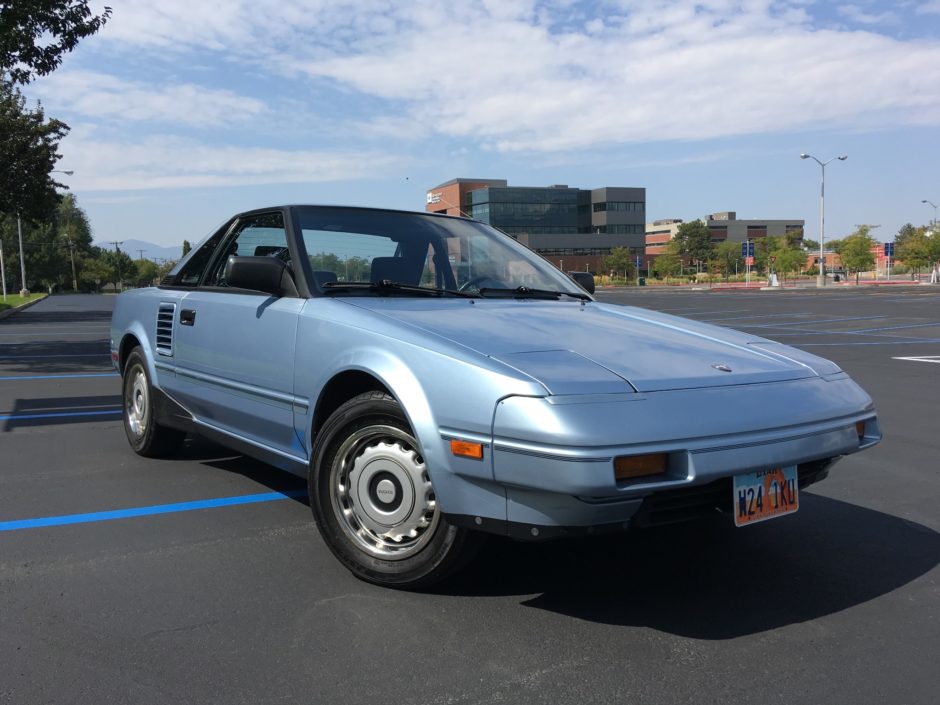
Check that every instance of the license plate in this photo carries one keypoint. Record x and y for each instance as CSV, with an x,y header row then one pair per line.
x,y
765,494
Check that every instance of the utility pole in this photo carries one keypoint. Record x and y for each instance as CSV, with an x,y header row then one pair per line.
x,y
117,248
72,257
3,271
141,252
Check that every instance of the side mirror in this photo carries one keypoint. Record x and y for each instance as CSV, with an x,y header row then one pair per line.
x,y
583,279
256,273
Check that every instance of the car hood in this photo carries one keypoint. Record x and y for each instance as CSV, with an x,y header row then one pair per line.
x,y
574,348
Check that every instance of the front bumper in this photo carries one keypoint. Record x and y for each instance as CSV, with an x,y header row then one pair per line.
x,y
555,485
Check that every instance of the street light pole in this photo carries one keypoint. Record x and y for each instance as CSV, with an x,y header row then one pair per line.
x,y
821,279
19,231
934,212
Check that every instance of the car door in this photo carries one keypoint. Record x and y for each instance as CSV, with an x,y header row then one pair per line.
x,y
234,349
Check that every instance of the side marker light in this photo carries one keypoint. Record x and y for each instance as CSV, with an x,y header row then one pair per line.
x,y
466,449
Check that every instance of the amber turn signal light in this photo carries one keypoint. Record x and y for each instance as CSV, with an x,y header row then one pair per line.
x,y
627,467
466,449
860,429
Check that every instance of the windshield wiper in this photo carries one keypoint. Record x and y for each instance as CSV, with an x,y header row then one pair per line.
x,y
389,285
524,292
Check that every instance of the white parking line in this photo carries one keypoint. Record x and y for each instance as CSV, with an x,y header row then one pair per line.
x,y
922,358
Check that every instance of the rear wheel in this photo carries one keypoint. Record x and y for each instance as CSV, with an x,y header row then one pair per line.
x,y
146,436
373,499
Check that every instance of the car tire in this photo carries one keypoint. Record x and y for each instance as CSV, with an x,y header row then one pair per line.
x,y
146,436
373,502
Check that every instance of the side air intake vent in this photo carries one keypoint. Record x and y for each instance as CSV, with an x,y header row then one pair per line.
x,y
165,328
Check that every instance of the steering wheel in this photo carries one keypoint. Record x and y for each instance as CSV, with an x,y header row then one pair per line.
x,y
482,282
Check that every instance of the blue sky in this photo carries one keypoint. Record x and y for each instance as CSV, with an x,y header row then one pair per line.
x,y
185,112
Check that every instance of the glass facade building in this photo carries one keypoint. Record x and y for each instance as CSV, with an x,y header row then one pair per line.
x,y
554,221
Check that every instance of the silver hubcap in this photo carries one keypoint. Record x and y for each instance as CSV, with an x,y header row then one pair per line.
x,y
137,404
381,493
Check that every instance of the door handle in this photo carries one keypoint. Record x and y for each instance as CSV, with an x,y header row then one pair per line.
x,y
188,317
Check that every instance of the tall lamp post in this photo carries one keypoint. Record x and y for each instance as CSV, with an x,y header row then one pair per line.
x,y
934,212
19,233
821,280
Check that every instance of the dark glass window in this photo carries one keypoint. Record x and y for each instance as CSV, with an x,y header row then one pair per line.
x,y
256,236
192,271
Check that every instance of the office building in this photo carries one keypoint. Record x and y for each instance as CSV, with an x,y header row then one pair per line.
x,y
571,227
724,227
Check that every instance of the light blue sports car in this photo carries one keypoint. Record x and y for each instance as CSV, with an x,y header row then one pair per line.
x,y
437,381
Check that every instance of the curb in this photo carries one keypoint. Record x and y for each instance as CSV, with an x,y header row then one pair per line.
x,y
21,307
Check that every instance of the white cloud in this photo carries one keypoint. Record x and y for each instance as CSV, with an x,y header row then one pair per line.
x,y
858,14
546,76
165,161
932,7
98,95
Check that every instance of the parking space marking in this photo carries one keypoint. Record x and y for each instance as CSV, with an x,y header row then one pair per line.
x,y
43,357
53,332
762,315
71,376
922,358
903,341
813,323
149,511
56,415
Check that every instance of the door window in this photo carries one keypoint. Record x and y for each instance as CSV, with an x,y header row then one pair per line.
x,y
254,236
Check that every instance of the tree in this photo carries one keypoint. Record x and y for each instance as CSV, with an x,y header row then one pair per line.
x,y
788,257
907,230
917,249
119,267
620,260
669,262
146,273
728,257
694,241
856,251
29,150
810,244
95,271
186,247
36,34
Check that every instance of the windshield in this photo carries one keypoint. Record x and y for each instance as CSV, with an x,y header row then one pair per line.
x,y
361,247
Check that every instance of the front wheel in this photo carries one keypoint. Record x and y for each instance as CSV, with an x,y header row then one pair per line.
x,y
373,500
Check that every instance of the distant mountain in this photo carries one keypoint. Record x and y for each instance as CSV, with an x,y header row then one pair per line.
x,y
151,251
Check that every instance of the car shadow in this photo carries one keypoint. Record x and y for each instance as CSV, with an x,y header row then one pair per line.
x,y
702,580
56,411
709,580
205,452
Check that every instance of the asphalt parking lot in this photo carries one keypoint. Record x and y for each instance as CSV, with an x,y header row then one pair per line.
x,y
203,579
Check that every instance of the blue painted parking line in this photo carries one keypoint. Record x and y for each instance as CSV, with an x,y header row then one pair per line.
x,y
70,376
47,333
148,511
43,357
57,414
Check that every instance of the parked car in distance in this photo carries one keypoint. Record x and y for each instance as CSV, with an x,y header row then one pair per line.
x,y
435,381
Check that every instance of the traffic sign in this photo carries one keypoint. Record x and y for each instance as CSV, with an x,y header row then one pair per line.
x,y
889,249
747,249
749,261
